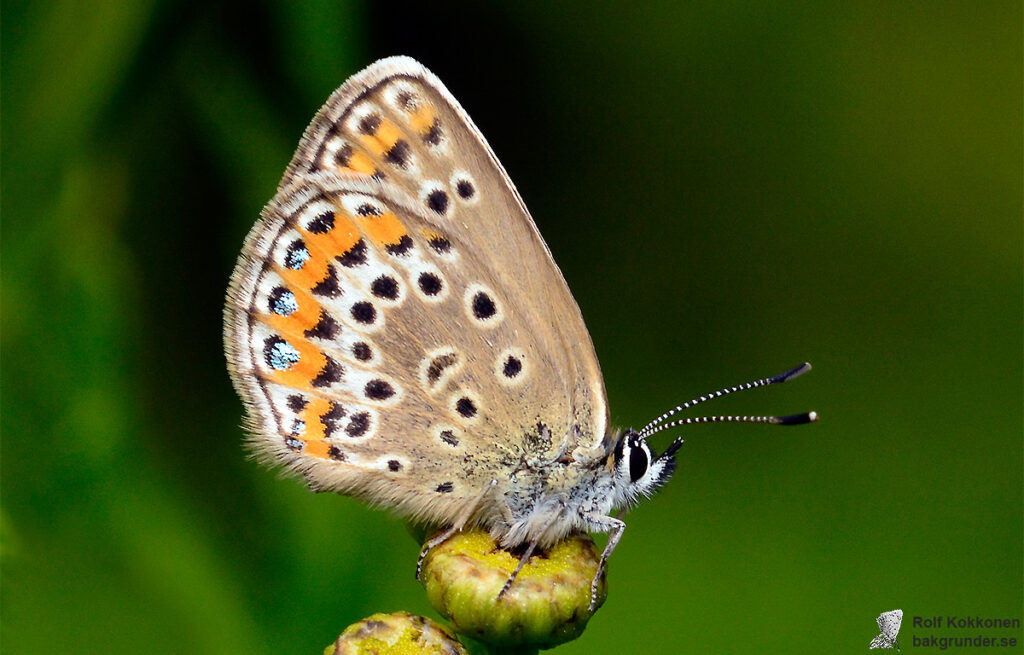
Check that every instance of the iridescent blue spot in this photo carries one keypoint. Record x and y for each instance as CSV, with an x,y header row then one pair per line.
x,y
280,354
296,255
298,427
282,301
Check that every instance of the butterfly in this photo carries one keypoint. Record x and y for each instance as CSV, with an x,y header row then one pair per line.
x,y
889,624
399,332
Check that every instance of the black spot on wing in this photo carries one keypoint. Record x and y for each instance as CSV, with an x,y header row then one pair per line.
x,y
483,306
403,246
466,407
358,425
329,287
406,101
440,244
355,256
465,189
378,390
512,367
437,200
369,124
326,328
385,287
279,354
363,312
329,374
398,154
434,134
322,224
343,155
438,364
331,418
361,351
430,284
449,438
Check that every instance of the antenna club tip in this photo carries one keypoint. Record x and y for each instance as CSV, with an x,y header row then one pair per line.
x,y
795,372
795,419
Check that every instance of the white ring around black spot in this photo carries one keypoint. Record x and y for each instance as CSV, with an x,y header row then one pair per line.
x,y
465,406
511,367
482,306
435,198
464,187
438,367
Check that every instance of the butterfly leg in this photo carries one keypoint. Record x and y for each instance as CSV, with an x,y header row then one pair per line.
x,y
433,543
519,567
455,527
614,527
529,552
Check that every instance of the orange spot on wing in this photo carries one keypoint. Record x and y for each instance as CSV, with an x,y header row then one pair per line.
x,y
301,374
315,428
307,315
361,163
423,118
312,273
322,249
317,449
384,230
372,144
381,141
389,134
386,136
339,240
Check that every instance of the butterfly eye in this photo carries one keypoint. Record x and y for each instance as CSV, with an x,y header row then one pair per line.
x,y
632,457
639,460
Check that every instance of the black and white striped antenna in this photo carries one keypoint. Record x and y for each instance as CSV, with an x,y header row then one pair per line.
x,y
658,424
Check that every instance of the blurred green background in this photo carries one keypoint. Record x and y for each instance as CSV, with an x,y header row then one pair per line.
x,y
730,189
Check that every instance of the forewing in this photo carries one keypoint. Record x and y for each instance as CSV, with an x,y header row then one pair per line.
x,y
381,353
396,122
889,623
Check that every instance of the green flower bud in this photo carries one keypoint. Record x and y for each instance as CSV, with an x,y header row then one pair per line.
x,y
548,604
399,633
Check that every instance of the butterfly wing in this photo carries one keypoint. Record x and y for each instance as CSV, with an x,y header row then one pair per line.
x,y
395,121
889,623
395,324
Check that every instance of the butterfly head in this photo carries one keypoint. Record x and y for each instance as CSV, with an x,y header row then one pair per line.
x,y
639,472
